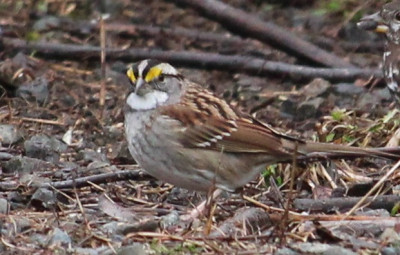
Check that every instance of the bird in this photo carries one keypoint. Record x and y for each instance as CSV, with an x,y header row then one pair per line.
x,y
183,134
387,21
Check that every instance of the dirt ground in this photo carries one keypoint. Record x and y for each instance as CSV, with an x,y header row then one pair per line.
x,y
69,186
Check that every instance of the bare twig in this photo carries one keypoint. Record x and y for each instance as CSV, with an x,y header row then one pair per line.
x,y
373,189
140,30
43,121
339,203
103,62
240,22
100,178
245,64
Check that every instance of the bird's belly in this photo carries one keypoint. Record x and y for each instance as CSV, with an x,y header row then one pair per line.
x,y
159,157
163,157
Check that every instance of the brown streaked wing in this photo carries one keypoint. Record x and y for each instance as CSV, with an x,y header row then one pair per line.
x,y
212,123
252,137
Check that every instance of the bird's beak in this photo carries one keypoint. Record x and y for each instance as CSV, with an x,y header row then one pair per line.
x,y
139,84
373,22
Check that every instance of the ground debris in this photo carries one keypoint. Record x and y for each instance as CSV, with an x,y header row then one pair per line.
x,y
69,185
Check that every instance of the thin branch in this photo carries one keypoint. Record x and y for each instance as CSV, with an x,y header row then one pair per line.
x,y
99,178
340,203
103,63
373,189
139,30
249,25
244,64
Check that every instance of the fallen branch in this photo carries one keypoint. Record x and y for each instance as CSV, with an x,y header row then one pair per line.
x,y
99,178
245,24
245,64
367,228
340,203
139,30
377,185
134,30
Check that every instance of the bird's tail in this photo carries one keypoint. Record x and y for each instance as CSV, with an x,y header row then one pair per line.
x,y
337,150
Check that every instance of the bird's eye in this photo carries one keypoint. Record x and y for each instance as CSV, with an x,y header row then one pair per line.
x,y
397,16
161,78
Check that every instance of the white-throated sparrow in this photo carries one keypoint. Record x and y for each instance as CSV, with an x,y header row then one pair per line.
x,y
387,21
183,134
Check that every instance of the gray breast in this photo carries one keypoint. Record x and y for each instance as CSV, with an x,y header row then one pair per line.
x,y
391,68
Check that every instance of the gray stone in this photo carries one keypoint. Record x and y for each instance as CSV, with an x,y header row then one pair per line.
x,y
89,155
9,134
348,89
285,251
389,235
170,219
103,250
97,166
4,206
135,248
22,224
383,94
309,109
368,101
40,239
111,227
59,237
44,147
121,228
320,248
114,229
315,88
375,212
23,164
390,251
120,150
5,156
45,23
289,108
43,198
335,250
36,90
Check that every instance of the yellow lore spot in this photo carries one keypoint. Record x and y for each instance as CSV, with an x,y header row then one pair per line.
x,y
131,75
382,29
152,74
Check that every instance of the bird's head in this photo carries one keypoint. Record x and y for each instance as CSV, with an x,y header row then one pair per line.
x,y
153,83
386,21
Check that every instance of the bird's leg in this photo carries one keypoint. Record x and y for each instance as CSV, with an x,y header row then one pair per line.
x,y
212,194
201,208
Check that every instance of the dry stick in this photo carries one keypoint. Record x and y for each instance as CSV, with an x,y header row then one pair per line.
x,y
285,217
135,30
339,203
100,178
374,188
103,63
43,121
243,23
245,64
130,30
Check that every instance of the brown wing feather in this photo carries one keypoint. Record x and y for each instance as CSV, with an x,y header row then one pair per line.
x,y
253,138
212,123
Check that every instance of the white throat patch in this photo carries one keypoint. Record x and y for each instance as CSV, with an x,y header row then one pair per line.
x,y
149,101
